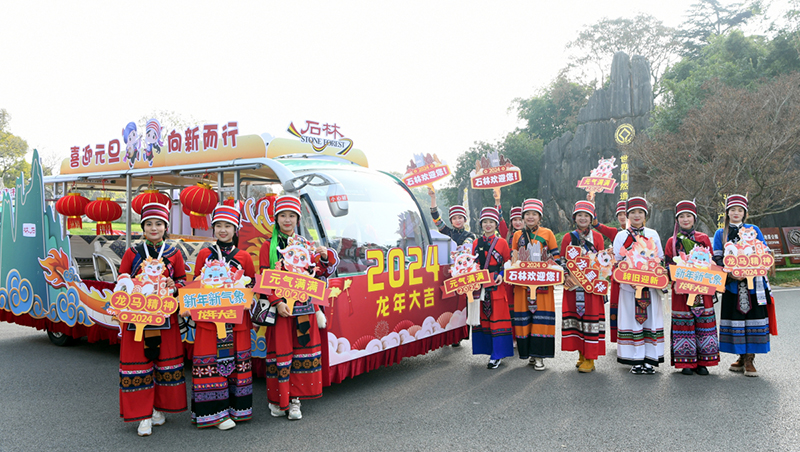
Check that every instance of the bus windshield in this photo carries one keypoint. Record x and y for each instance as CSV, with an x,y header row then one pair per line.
x,y
382,215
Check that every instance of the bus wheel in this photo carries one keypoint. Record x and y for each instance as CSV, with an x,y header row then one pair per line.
x,y
60,339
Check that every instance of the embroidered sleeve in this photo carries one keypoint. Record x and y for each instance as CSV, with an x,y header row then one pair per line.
x,y
440,225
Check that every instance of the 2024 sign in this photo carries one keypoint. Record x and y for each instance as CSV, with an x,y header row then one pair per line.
x,y
398,273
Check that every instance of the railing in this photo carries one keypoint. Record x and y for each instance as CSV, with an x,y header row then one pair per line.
x,y
787,269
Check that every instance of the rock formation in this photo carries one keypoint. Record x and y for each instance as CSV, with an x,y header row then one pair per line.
x,y
628,99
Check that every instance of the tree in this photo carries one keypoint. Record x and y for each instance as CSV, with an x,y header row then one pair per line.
x,y
733,59
642,35
524,151
555,110
740,141
708,18
12,153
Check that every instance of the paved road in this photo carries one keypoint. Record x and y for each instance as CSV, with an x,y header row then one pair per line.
x,y
58,399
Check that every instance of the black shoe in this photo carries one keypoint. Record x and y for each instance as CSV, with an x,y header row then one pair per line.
x,y
493,364
457,344
649,370
701,370
687,371
637,369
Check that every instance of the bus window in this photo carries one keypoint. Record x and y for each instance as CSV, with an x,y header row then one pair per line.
x,y
382,215
308,227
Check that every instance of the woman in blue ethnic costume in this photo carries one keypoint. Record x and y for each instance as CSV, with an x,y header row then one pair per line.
x,y
222,378
744,318
493,336
694,329
151,379
294,350
640,341
458,233
458,218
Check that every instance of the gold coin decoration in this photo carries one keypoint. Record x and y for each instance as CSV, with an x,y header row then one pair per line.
x,y
624,134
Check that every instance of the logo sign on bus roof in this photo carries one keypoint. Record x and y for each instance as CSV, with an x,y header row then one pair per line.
x,y
324,138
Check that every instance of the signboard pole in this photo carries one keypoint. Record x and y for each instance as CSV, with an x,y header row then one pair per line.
x,y
128,211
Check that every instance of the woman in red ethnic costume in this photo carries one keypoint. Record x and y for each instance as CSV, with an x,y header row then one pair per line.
x,y
222,378
583,314
151,371
694,329
294,351
493,336
611,234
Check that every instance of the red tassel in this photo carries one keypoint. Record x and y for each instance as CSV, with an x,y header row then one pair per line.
x,y
104,228
198,221
773,323
74,223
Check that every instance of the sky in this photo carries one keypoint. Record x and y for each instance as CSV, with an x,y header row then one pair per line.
x,y
396,77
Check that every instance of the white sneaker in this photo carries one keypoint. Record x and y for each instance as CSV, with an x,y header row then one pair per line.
x,y
227,425
276,411
294,410
531,361
158,417
538,363
145,427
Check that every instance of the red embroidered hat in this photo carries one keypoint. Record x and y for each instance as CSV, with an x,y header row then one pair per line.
x,y
736,200
458,210
636,203
583,206
516,212
620,208
226,213
686,206
287,203
532,204
490,213
155,211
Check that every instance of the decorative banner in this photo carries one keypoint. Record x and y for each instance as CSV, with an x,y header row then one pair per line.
x,y
293,287
601,178
141,310
591,270
642,267
216,305
534,274
774,241
695,281
467,275
494,170
695,274
467,282
399,301
655,277
749,266
425,170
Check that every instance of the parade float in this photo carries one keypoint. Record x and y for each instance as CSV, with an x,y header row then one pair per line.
x,y
384,301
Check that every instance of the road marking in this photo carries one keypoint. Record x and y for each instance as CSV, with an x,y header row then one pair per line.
x,y
785,289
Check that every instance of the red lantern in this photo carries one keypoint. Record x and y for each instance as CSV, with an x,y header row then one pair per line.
x,y
148,196
103,211
229,202
270,200
200,201
72,206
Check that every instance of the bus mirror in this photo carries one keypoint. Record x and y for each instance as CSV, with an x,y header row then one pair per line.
x,y
337,200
